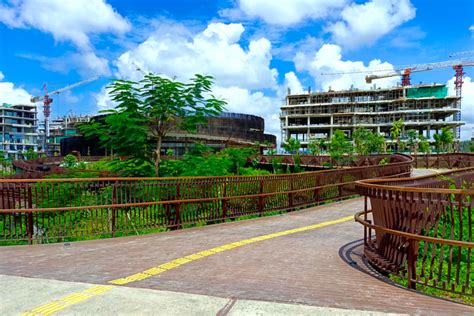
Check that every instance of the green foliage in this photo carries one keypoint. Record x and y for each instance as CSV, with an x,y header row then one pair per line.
x,y
292,145
147,110
340,148
396,130
201,161
367,142
383,161
70,161
29,154
316,145
444,140
424,144
412,142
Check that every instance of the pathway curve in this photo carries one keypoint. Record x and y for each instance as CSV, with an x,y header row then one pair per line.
x,y
316,266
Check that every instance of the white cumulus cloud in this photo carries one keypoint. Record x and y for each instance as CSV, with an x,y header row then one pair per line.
x,y
65,20
11,94
292,82
242,100
215,51
467,105
363,24
69,21
284,12
328,60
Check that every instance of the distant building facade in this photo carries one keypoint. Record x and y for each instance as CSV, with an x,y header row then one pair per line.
x,y
225,130
424,108
60,128
18,128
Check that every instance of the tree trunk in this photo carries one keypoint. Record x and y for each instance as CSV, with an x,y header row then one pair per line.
x,y
158,156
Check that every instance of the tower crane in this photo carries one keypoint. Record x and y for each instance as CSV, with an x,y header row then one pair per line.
x,y
47,100
405,72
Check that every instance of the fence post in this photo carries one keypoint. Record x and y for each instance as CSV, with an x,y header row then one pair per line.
x,y
177,207
290,195
224,201
411,264
29,217
365,219
114,209
260,199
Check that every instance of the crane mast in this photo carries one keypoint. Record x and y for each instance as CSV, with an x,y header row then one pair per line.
x,y
47,100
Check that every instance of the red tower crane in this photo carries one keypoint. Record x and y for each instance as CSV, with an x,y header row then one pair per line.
x,y
405,72
47,100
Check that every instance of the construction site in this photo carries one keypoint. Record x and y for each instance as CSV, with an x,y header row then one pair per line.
x,y
423,108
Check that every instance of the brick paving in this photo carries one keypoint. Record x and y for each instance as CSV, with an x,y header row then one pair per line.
x,y
303,268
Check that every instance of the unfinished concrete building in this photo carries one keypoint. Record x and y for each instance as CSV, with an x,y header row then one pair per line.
x,y
424,108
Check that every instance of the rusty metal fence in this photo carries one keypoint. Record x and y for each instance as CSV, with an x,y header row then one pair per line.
x,y
49,210
423,229
447,161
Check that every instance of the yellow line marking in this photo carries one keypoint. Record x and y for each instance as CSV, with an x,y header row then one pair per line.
x,y
212,251
68,300
78,297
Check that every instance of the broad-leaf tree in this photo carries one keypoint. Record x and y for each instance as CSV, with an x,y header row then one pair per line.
x,y
424,144
293,146
361,136
147,110
316,146
340,147
412,141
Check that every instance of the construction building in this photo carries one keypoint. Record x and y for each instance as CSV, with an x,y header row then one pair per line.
x,y
424,108
60,128
18,129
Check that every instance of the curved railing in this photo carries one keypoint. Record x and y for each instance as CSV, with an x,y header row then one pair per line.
x,y
48,210
446,161
325,161
43,166
423,229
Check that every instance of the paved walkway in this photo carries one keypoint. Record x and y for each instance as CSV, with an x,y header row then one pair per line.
x,y
300,271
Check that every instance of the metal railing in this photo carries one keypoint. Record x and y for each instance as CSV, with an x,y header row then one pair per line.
x,y
423,229
447,161
49,210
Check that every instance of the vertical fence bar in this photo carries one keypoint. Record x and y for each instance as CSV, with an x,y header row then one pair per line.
x,y
290,194
114,209
177,207
411,264
260,199
29,216
224,201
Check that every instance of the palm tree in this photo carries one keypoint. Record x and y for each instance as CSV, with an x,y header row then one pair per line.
x,y
396,130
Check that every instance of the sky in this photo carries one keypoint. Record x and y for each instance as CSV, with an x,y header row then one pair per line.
x,y
255,49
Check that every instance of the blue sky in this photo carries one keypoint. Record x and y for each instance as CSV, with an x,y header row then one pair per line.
x,y
254,48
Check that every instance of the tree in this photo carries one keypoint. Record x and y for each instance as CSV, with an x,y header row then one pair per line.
x,y
316,145
412,140
367,142
375,143
396,130
424,144
147,110
361,136
444,140
292,146
340,147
